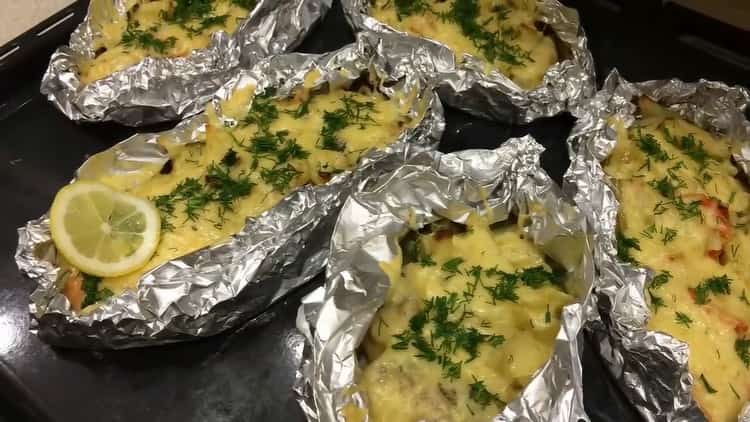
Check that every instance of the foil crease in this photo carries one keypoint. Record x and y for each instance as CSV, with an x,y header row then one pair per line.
x,y
651,367
165,89
494,96
216,288
336,317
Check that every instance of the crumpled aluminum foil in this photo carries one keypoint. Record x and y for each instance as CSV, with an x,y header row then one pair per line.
x,y
650,366
336,317
216,288
164,89
468,87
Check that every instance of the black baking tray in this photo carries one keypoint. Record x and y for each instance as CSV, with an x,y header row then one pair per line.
x,y
246,375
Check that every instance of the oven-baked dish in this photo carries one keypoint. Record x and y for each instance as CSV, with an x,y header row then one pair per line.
x,y
683,214
505,34
207,189
160,28
472,312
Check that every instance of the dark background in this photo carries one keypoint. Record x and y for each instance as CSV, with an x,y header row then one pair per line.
x,y
246,375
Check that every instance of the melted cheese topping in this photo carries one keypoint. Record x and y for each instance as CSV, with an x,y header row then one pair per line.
x,y
402,387
387,119
516,18
687,249
113,54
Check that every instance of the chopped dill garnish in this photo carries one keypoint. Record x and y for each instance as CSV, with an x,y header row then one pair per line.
x,y
451,265
262,112
656,301
661,279
406,8
548,315
279,176
443,317
713,285
494,45
734,391
742,347
689,147
301,110
709,389
743,298
669,235
187,13
624,245
353,113
90,288
682,318
137,38
220,187
650,146
478,392
667,186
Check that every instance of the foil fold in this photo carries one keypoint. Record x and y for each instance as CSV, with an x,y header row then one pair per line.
x,y
651,367
335,318
494,96
217,288
171,88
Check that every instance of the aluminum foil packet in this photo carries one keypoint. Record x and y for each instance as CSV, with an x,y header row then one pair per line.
x,y
468,87
651,367
496,183
165,89
216,288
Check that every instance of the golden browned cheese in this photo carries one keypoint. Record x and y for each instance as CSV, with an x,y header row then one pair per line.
x,y
298,122
399,385
519,50
683,214
160,36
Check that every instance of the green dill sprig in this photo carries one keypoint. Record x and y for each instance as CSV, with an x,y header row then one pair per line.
x,y
709,389
714,285
650,146
280,176
742,347
624,245
660,279
406,8
146,40
667,186
262,111
494,45
507,284
478,392
682,318
194,16
656,301
444,317
218,187
352,113
451,266
689,146
301,110
743,298
92,294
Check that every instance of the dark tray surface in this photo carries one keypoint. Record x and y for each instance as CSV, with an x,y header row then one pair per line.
x,y
246,375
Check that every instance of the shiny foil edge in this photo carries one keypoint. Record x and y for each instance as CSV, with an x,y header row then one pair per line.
x,y
494,96
651,367
216,288
165,89
335,318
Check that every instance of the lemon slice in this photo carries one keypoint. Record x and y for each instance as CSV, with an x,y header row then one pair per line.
x,y
103,232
